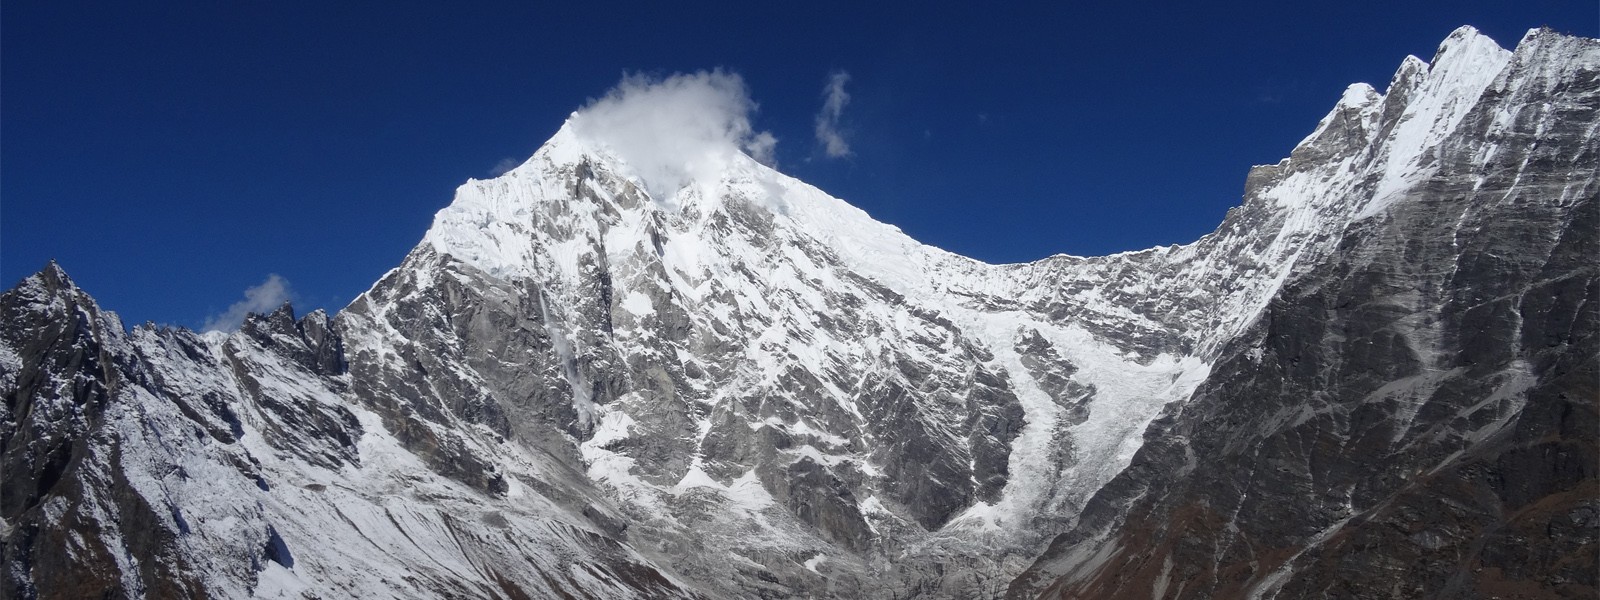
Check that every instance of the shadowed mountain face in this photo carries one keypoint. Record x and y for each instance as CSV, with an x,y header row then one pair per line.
x,y
1377,377
1414,416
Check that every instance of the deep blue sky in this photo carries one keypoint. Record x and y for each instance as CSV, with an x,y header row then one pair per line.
x,y
171,154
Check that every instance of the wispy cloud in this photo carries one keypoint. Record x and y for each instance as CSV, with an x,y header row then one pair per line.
x,y
505,165
763,147
263,298
674,130
834,99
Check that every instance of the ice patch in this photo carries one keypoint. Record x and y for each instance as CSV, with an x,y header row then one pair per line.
x,y
277,581
815,561
638,304
744,493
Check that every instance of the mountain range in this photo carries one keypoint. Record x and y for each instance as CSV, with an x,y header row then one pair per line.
x,y
600,376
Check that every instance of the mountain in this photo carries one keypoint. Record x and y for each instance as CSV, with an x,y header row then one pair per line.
x,y
605,375
1415,415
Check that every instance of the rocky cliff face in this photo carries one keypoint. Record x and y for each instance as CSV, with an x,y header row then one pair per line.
x,y
158,463
583,383
1415,415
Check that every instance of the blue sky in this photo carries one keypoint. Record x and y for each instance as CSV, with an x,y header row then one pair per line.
x,y
171,154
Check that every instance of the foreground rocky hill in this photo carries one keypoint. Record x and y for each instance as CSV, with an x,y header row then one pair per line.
x,y
596,377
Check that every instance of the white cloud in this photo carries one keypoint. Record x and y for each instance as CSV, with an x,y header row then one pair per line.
x,y
763,147
505,165
263,298
833,103
678,129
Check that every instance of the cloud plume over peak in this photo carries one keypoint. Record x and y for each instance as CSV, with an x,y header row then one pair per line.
x,y
504,166
262,298
834,99
676,129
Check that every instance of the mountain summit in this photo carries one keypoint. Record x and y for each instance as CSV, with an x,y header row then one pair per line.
x,y
644,363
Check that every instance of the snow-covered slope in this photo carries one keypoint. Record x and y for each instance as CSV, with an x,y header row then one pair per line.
x,y
609,373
